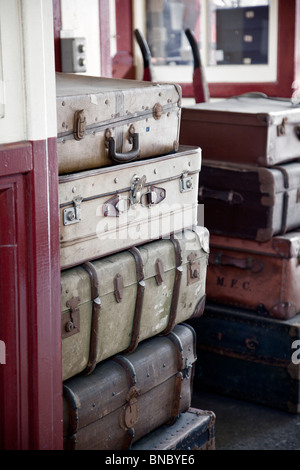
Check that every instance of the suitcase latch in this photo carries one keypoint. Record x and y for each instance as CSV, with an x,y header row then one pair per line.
x,y
73,214
79,124
186,182
153,196
71,325
130,412
193,274
115,206
187,367
136,187
281,127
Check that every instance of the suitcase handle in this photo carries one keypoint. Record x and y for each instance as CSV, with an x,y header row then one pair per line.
x,y
133,154
253,265
228,196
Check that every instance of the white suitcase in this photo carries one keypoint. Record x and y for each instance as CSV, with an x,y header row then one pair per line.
x,y
104,121
110,209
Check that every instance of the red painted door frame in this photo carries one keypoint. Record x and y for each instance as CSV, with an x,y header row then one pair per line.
x,y
122,63
30,320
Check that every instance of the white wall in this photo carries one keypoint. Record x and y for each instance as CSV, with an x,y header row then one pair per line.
x,y
80,18
28,70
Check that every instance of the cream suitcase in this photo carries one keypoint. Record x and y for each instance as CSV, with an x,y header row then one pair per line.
x,y
112,304
104,121
110,209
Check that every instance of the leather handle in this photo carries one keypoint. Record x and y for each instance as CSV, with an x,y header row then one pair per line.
x,y
253,265
227,196
133,154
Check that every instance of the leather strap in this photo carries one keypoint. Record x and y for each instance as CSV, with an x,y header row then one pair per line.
x,y
176,287
286,197
96,310
179,377
131,379
139,299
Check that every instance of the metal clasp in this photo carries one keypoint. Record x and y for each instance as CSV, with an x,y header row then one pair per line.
x,y
187,367
193,274
281,128
71,326
136,187
73,214
79,124
153,196
186,182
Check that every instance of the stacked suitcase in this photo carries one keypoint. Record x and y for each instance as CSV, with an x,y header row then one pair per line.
x,y
248,337
133,265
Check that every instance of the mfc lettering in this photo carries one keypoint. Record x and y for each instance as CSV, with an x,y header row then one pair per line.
x,y
233,283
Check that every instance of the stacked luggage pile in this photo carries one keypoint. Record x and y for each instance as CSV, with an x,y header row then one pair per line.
x,y
248,337
133,267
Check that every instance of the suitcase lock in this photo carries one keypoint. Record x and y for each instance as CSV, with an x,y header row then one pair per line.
x,y
193,274
72,325
136,187
73,215
186,182
281,130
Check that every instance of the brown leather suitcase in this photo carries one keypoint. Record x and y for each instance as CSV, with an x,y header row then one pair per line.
x,y
251,128
112,304
130,395
105,121
263,277
193,430
249,201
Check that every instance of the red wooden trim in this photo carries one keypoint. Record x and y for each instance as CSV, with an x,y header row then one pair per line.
x,y
15,158
57,24
14,399
123,61
44,306
30,318
105,57
297,42
287,60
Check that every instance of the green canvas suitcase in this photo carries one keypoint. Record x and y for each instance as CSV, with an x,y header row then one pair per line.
x,y
112,304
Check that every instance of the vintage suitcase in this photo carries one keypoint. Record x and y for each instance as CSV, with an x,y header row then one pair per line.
x,y
249,201
242,355
263,277
113,303
109,209
193,430
128,396
252,129
104,121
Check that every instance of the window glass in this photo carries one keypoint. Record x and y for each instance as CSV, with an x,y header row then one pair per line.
x,y
228,33
167,21
238,32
